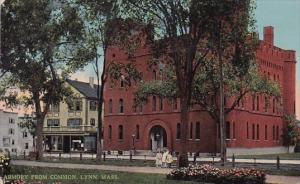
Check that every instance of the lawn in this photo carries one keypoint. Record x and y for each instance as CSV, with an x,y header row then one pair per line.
x,y
80,176
284,156
116,162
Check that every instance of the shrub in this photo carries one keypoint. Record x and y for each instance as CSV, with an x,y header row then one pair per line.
x,y
4,165
207,173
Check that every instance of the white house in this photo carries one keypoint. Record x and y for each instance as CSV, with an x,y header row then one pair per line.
x,y
13,138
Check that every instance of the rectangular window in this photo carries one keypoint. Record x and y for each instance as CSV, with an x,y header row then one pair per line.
x,y
257,131
197,130
74,122
11,131
120,131
273,132
161,103
137,132
174,104
247,130
78,105
233,130
93,105
92,121
11,120
6,141
26,145
227,128
178,131
253,131
257,103
54,107
154,103
53,122
266,132
277,133
253,103
109,132
191,130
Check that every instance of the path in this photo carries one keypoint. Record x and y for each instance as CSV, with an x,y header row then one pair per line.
x,y
270,178
208,159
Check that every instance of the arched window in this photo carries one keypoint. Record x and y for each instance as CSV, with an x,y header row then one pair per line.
x,y
178,131
197,130
110,106
121,105
109,132
120,131
122,83
137,131
154,103
154,77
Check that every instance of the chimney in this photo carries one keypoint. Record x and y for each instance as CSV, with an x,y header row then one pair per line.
x,y
91,81
269,35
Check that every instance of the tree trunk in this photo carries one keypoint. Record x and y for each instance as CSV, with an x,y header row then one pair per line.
x,y
222,115
184,117
39,125
39,141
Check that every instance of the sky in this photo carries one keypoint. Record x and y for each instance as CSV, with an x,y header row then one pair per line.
x,y
283,15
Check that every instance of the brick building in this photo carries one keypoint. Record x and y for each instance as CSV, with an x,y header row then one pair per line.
x,y
250,128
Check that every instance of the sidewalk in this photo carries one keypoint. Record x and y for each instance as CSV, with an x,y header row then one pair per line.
x,y
270,178
207,159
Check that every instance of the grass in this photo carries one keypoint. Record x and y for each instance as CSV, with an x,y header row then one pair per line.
x,y
50,175
283,156
115,162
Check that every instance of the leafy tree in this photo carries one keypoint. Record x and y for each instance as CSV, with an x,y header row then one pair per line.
x,y
103,29
193,33
290,131
40,46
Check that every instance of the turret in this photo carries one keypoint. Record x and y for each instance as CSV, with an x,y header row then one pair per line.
x,y
289,83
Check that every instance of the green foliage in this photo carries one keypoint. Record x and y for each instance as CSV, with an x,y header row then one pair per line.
x,y
52,45
290,132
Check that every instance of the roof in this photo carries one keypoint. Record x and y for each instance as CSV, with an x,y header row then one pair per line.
x,y
84,88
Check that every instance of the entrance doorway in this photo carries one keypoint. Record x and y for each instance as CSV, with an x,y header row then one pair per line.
x,y
158,138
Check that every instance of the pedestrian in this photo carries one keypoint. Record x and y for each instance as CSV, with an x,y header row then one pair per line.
x,y
164,157
169,160
158,159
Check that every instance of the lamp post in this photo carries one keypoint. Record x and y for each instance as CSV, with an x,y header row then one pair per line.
x,y
157,139
133,141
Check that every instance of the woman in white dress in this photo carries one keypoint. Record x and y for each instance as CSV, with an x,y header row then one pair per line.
x,y
158,159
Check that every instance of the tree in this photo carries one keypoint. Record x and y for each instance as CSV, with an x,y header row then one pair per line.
x,y
42,46
104,29
192,33
290,132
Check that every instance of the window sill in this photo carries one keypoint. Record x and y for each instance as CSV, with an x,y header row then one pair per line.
x,y
197,139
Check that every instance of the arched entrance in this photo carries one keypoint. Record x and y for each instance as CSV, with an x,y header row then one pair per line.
x,y
157,138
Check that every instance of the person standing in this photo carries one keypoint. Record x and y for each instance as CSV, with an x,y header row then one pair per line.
x,y
158,159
